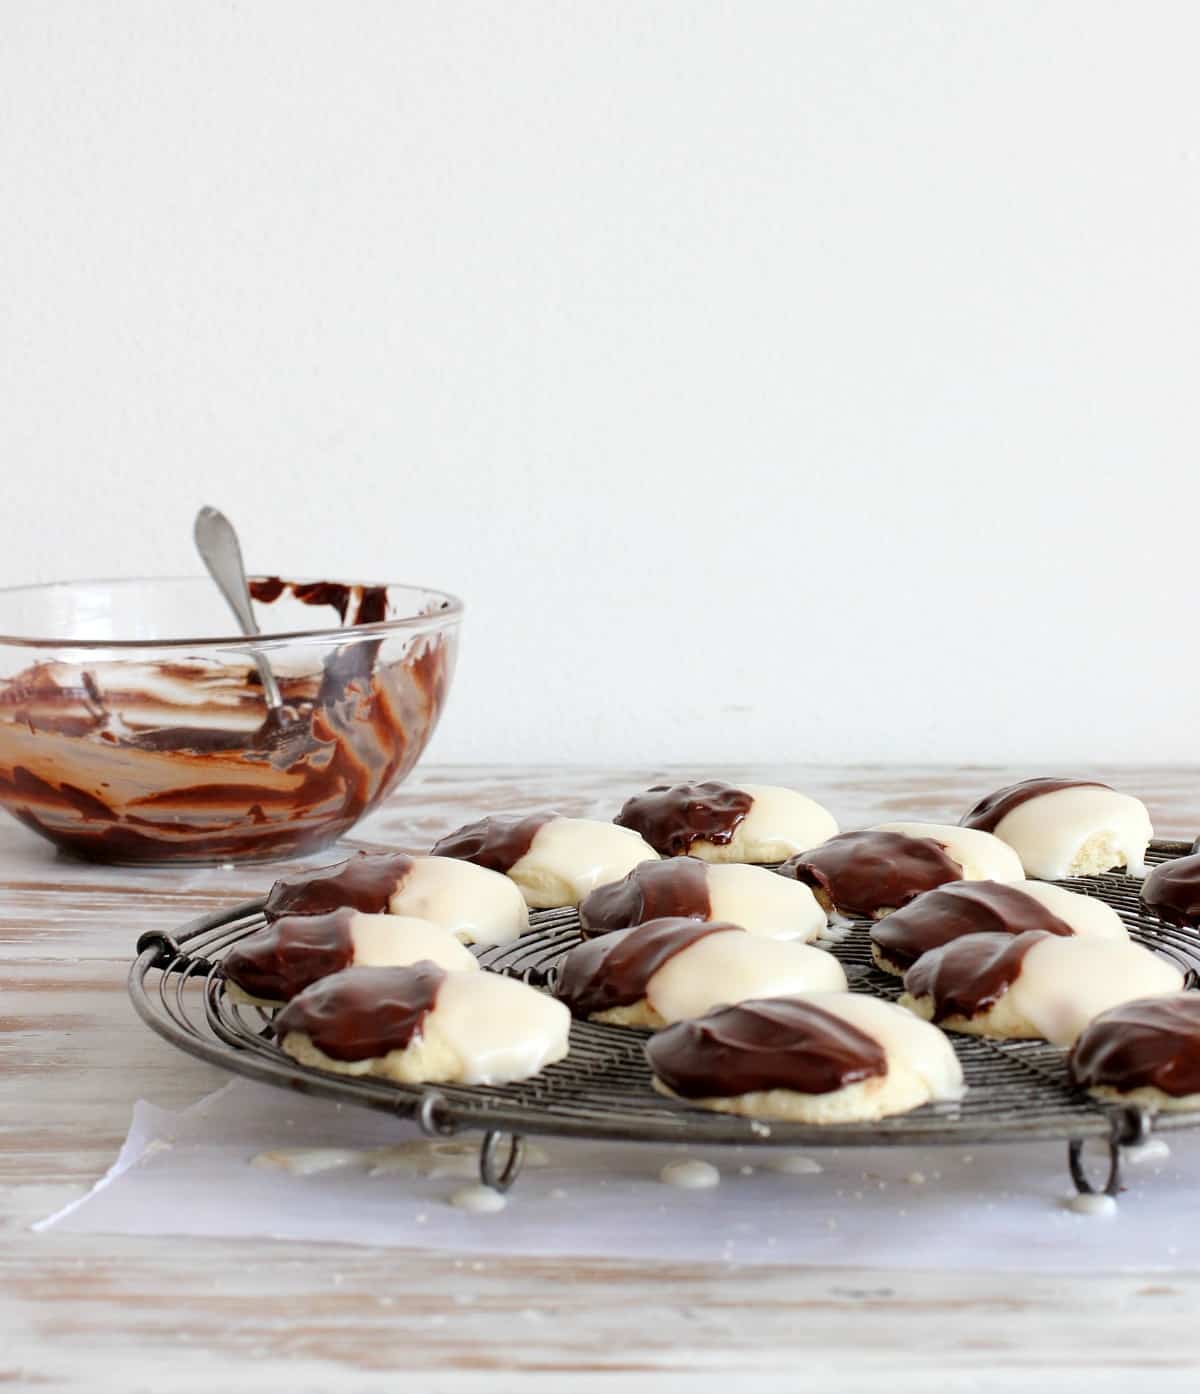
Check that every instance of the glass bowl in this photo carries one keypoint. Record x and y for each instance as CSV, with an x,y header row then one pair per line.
x,y
122,741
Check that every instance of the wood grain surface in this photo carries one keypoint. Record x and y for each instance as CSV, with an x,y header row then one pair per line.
x,y
86,1313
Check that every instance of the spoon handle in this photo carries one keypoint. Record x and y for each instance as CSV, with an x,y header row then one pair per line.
x,y
221,553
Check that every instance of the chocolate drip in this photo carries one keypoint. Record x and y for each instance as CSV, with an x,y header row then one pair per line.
x,y
372,606
969,975
1172,891
323,593
613,971
864,872
497,842
278,962
676,888
781,1043
267,589
988,812
969,907
672,817
366,882
362,1013
370,601
1151,1043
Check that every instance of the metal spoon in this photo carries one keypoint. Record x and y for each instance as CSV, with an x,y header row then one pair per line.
x,y
221,553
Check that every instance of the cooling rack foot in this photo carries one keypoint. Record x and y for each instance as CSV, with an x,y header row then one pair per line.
x,y
499,1168
1082,1184
1130,1128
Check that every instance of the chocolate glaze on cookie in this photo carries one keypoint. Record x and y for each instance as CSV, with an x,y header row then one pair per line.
x,y
362,1013
672,816
677,888
969,975
950,912
366,882
781,1043
988,812
1172,891
864,872
1151,1043
613,970
497,842
281,960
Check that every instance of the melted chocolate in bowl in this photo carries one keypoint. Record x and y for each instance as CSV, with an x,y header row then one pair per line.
x,y
167,752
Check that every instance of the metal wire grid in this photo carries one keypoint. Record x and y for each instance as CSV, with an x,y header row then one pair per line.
x,y
1018,1090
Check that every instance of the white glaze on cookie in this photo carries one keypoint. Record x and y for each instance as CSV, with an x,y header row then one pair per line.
x,y
735,967
1088,916
924,1052
569,857
420,1025
479,905
497,1028
391,941
1078,831
981,856
1061,983
1064,983
763,903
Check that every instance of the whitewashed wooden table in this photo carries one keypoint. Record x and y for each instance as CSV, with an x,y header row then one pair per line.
x,y
86,1313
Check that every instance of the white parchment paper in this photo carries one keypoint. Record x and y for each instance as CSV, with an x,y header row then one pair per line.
x,y
201,1172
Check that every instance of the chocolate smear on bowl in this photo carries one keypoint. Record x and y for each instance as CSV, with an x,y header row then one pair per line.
x,y
178,760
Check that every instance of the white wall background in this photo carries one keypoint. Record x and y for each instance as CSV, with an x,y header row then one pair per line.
x,y
776,381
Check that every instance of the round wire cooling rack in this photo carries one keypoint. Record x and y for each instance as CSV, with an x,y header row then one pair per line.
x,y
1018,1091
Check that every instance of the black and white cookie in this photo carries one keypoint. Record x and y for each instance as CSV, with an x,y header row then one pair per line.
x,y
665,970
719,822
1144,1054
750,896
987,907
980,856
1066,827
422,1025
273,964
1033,985
554,860
479,905
824,1058
878,870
